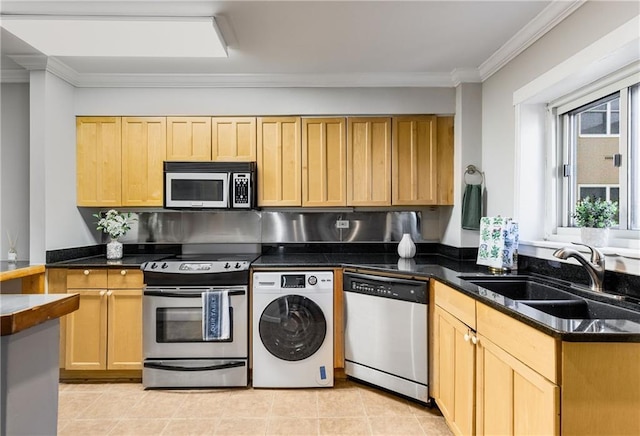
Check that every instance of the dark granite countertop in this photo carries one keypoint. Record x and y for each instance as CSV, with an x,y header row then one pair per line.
x,y
435,266
449,271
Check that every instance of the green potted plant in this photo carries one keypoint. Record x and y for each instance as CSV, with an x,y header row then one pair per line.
x,y
595,218
116,225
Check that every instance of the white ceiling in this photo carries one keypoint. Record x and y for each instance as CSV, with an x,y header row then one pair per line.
x,y
320,43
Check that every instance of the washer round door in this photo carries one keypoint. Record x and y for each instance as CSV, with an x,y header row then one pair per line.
x,y
292,327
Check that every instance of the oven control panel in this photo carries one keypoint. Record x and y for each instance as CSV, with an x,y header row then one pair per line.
x,y
196,267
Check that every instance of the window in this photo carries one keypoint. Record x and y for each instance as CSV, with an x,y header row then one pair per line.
x,y
602,119
599,149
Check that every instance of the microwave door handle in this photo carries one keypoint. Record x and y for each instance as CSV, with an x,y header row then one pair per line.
x,y
162,366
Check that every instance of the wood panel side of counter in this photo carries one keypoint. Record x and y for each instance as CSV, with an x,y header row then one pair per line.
x,y
32,278
57,284
600,388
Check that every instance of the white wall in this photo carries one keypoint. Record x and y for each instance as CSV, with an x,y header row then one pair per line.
x,y
586,25
55,221
14,168
467,151
264,101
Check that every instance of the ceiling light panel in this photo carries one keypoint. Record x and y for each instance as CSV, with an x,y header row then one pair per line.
x,y
192,37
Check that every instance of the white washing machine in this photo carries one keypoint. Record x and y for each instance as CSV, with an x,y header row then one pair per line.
x,y
293,329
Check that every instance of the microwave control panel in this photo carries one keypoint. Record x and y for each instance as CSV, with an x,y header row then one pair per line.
x,y
241,190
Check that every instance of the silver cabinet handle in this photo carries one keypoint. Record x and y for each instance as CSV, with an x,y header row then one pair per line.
x,y
123,272
467,336
102,293
86,272
474,340
111,292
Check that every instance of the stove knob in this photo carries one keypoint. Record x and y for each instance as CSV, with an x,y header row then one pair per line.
x,y
154,265
312,280
165,265
227,265
238,266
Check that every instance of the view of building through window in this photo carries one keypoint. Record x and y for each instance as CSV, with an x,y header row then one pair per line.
x,y
597,143
601,154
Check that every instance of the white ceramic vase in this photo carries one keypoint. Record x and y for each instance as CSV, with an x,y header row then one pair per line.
x,y
406,247
596,237
114,249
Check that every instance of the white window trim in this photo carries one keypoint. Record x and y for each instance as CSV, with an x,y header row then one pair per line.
x,y
612,57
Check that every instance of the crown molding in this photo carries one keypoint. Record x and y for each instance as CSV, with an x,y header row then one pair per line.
x,y
363,80
546,20
14,76
30,62
465,75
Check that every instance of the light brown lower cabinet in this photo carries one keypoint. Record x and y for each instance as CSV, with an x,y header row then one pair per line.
x,y
494,375
105,333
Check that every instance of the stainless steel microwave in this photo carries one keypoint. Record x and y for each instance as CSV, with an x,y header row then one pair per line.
x,y
209,185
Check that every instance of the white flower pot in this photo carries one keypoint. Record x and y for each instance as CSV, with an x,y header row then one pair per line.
x,y
596,237
406,247
114,249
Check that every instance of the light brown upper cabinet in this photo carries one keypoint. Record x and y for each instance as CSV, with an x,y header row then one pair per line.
x,y
98,160
414,169
445,160
144,148
369,161
324,162
278,160
233,139
189,138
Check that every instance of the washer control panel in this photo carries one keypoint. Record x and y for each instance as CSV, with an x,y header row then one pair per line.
x,y
302,280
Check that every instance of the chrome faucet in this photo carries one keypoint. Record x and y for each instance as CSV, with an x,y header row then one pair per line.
x,y
594,267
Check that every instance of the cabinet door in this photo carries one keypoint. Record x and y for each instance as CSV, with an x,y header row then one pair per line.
x,y
414,174
324,162
86,344
144,148
511,397
233,139
279,172
189,138
98,161
369,162
124,329
455,369
445,160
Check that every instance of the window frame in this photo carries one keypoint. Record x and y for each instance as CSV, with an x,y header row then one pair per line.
x,y
562,130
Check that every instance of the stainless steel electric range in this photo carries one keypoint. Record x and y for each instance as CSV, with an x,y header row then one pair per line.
x,y
177,351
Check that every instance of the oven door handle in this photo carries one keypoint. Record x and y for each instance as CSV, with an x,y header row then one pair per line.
x,y
187,368
187,294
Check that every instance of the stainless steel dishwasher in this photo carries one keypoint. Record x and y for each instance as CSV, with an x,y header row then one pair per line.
x,y
386,333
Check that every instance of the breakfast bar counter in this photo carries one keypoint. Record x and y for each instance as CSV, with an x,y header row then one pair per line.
x,y
29,359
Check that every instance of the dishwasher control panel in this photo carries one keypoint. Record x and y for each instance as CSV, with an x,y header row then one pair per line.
x,y
394,288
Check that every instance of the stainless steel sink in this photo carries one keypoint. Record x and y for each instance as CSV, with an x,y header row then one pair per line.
x,y
521,288
583,309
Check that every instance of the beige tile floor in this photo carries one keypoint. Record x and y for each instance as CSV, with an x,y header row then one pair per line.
x,y
348,409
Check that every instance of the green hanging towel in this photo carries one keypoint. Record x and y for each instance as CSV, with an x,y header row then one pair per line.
x,y
472,207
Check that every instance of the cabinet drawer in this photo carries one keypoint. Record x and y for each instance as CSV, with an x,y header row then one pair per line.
x,y
456,303
532,347
125,278
86,278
